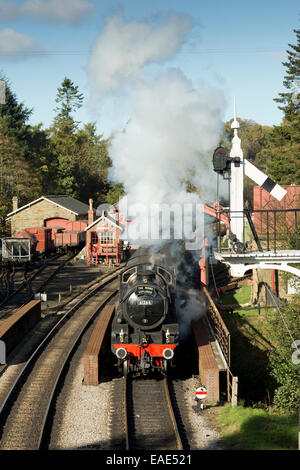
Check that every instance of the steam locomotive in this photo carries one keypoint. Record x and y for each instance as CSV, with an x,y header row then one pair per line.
x,y
145,329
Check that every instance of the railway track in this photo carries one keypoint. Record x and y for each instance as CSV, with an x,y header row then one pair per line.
x,y
145,416
25,400
34,283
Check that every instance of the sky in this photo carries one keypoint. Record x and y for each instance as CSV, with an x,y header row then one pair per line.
x,y
234,47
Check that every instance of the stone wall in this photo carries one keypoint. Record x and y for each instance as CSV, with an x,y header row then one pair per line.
x,y
34,216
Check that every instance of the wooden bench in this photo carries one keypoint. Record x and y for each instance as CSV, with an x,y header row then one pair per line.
x,y
92,353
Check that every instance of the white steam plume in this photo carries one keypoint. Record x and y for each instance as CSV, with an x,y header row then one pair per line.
x,y
173,127
190,307
170,136
124,48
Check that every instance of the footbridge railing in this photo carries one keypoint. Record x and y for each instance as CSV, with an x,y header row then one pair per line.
x,y
271,230
219,327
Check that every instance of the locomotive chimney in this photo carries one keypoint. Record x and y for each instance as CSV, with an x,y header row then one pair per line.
x,y
90,212
15,203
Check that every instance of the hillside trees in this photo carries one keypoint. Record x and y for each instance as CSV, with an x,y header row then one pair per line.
x,y
284,146
63,137
19,170
283,331
81,157
64,159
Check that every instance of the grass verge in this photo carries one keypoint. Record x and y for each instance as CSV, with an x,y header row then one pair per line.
x,y
241,296
255,429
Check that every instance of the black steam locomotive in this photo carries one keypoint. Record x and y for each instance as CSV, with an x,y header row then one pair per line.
x,y
145,328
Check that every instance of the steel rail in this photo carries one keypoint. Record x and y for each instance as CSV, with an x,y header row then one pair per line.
x,y
59,373
126,415
24,283
172,415
21,287
125,412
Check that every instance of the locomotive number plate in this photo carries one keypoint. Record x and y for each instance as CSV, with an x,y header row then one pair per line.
x,y
145,302
145,290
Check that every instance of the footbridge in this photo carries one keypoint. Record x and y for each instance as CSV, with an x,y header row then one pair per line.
x,y
240,263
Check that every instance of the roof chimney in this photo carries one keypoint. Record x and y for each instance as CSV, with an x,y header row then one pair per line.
x,y
90,212
15,203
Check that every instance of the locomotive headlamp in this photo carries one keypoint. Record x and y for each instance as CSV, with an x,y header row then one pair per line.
x,y
121,353
168,353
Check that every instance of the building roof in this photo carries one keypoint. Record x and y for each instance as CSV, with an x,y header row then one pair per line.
x,y
66,202
69,203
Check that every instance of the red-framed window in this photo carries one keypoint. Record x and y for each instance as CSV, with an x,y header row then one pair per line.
x,y
106,238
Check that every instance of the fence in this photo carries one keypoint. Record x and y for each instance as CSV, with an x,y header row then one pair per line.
x,y
272,229
219,327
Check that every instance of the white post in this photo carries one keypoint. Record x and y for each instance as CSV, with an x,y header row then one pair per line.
x,y
236,183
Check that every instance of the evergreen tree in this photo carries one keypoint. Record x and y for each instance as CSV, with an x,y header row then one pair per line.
x,y
19,167
92,163
14,115
290,101
63,137
284,148
69,100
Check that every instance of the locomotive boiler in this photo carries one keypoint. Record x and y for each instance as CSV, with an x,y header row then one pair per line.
x,y
145,328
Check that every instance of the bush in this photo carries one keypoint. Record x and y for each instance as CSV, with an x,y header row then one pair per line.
x,y
283,327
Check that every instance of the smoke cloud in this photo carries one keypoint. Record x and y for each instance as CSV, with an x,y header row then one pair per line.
x,y
174,124
124,48
189,307
169,139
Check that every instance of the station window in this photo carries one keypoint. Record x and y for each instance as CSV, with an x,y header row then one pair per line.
x,y
94,238
106,237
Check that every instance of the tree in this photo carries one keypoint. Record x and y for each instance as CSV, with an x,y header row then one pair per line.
x,y
284,147
14,115
290,101
69,100
63,137
282,327
16,176
115,193
19,170
92,163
